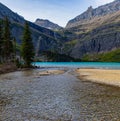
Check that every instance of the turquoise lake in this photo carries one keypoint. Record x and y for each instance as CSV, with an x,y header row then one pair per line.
x,y
78,64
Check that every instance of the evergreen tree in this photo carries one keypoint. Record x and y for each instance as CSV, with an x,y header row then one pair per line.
x,y
1,42
8,46
14,47
27,49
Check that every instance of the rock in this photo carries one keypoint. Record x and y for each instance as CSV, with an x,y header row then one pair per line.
x,y
51,72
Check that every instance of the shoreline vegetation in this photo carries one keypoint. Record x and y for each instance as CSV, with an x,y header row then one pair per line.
x,y
12,67
7,67
101,76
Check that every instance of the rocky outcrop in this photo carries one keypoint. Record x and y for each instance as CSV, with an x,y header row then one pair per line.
x,y
47,24
92,13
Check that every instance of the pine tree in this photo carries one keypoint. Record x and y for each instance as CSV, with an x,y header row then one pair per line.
x,y
27,49
8,46
14,48
1,41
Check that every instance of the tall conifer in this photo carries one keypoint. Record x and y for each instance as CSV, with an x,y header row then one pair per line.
x,y
1,41
27,49
8,46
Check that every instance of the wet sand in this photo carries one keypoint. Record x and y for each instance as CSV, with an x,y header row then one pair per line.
x,y
104,76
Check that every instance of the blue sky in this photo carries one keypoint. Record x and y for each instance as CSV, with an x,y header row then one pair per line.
x,y
58,11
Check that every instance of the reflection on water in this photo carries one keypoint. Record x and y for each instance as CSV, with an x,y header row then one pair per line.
x,y
107,65
28,97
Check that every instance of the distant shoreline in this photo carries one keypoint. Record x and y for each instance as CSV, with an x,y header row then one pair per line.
x,y
102,76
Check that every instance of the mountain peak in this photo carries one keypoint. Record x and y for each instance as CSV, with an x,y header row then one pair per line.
x,y
90,8
47,24
92,13
42,20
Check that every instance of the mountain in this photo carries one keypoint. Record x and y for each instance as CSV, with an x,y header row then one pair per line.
x,y
43,39
92,13
97,31
47,24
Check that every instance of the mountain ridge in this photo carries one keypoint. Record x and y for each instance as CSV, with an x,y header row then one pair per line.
x,y
47,24
97,12
95,34
5,11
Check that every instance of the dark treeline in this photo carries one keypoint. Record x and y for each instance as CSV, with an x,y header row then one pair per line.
x,y
6,42
8,45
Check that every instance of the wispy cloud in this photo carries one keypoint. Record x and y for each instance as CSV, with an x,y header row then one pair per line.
x,y
102,2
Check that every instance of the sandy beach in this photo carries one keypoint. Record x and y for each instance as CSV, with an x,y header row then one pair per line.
x,y
104,76
51,72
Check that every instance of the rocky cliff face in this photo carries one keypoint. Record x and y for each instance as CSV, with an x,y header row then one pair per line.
x,y
92,13
100,40
97,30
47,24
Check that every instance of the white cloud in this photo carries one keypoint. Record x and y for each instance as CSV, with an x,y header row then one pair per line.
x,y
102,2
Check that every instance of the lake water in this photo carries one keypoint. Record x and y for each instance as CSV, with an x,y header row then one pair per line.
x,y
78,64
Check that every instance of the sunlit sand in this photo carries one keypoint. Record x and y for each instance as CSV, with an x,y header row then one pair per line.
x,y
111,77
